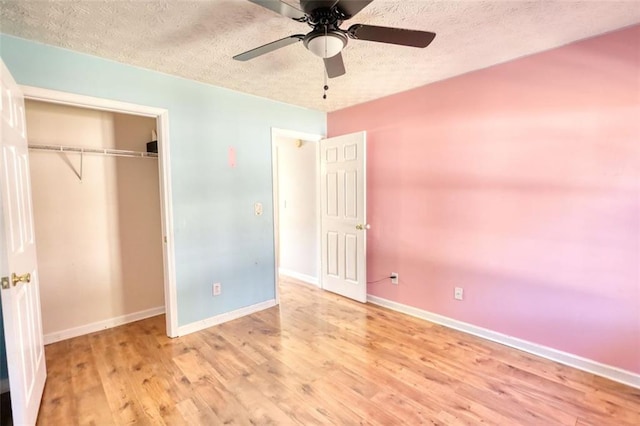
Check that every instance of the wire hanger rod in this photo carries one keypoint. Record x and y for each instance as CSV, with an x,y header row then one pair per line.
x,y
100,151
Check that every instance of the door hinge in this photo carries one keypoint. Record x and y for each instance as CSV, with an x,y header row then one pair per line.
x,y
5,283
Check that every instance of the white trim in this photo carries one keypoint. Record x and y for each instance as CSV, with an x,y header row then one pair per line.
x,y
275,199
227,316
613,373
4,385
101,325
318,217
294,134
298,276
81,101
166,209
166,213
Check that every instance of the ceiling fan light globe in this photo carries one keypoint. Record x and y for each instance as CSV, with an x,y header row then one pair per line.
x,y
326,46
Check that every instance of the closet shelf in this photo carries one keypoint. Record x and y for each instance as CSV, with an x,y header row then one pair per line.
x,y
99,151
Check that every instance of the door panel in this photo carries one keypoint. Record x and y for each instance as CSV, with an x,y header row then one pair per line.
x,y
332,254
351,194
20,298
350,152
332,154
343,230
351,258
332,195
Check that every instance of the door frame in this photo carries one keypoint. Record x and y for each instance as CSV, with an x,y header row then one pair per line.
x,y
310,137
166,204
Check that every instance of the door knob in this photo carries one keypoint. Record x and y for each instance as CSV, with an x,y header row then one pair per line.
x,y
24,278
362,227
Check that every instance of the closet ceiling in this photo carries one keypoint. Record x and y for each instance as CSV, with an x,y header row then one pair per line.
x,y
197,39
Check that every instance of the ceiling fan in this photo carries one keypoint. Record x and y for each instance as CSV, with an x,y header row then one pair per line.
x,y
327,39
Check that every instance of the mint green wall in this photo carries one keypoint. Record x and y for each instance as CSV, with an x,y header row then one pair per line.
x,y
217,236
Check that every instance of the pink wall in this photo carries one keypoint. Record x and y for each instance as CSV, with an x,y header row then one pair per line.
x,y
521,184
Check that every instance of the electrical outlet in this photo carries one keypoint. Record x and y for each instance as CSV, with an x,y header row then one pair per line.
x,y
394,278
217,289
458,293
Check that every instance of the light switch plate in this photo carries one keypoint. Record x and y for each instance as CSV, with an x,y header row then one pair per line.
x,y
257,208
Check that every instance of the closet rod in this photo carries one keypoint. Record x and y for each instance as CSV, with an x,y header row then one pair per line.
x,y
100,151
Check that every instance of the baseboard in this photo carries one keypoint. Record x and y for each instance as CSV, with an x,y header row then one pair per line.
x,y
101,325
4,385
613,373
298,276
228,316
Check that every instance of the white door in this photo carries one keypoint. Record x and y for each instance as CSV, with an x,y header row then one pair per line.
x,y
18,265
344,216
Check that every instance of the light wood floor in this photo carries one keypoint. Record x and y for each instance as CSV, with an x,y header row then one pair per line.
x,y
318,359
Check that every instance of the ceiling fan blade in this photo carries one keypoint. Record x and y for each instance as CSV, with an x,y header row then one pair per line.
x,y
352,7
399,36
270,47
334,66
282,8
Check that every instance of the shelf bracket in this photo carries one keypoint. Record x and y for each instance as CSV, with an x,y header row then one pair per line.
x,y
67,160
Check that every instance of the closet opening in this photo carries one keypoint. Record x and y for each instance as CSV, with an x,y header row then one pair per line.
x,y
296,206
101,214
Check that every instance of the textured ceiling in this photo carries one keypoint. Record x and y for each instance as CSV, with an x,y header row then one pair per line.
x,y
197,39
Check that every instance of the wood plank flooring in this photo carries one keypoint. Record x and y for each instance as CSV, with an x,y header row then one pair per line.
x,y
318,359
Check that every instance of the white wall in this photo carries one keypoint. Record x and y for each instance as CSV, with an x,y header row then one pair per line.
x,y
99,240
298,208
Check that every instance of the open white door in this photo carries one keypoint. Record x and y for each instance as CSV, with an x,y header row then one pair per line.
x,y
344,215
18,264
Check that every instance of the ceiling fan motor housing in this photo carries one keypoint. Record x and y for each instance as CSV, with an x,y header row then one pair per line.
x,y
310,6
323,14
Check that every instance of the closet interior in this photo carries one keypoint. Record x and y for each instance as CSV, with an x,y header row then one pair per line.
x,y
96,203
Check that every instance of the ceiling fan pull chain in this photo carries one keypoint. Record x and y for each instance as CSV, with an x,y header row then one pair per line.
x,y
324,71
